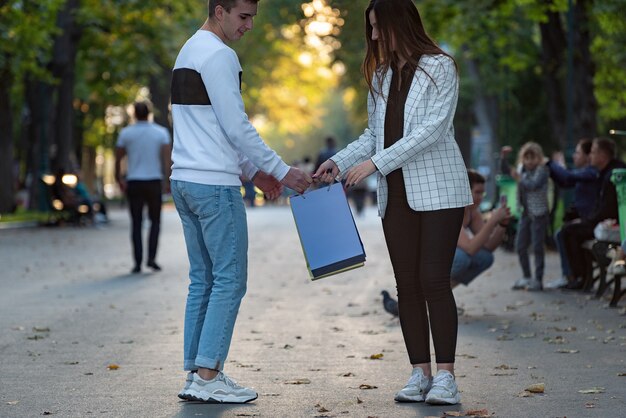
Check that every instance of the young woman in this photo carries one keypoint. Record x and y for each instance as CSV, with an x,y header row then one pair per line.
x,y
422,183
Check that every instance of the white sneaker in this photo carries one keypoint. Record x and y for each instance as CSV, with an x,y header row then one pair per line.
x,y
416,389
181,394
444,390
557,284
221,389
521,283
534,285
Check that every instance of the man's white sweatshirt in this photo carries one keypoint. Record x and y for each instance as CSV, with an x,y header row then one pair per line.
x,y
214,142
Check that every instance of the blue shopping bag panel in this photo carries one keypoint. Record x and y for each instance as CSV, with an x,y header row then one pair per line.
x,y
328,234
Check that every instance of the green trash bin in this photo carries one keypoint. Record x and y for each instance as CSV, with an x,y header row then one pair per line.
x,y
618,177
507,186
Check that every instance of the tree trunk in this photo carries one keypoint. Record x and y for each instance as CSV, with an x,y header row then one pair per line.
x,y
584,100
63,68
553,47
7,186
160,94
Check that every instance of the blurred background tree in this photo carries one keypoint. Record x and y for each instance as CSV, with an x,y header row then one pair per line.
x,y
69,69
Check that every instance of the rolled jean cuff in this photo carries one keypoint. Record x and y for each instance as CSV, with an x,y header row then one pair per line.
x,y
208,363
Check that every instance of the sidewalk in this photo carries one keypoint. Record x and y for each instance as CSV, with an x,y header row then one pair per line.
x,y
69,310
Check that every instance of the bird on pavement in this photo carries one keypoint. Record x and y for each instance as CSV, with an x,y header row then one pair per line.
x,y
390,304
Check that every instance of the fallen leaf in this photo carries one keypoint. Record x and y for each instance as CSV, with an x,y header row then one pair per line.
x,y
536,388
592,390
365,387
621,374
127,342
376,356
524,394
298,382
505,367
113,367
35,337
41,329
478,413
502,374
349,374
530,335
505,337
46,413
18,328
468,356
556,340
70,363
288,347
590,405
454,414
13,402
320,408
565,351
358,400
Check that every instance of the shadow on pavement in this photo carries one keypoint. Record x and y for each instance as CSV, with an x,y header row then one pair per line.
x,y
195,409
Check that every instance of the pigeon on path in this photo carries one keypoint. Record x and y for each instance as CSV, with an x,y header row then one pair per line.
x,y
390,304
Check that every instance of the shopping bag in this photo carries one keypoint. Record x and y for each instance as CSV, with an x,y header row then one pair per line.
x,y
330,240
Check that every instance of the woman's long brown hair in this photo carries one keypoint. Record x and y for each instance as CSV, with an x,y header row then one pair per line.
x,y
398,20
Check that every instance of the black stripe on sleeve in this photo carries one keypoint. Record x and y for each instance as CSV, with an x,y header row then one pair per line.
x,y
188,88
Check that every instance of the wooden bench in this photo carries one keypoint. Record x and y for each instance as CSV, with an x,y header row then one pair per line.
x,y
598,264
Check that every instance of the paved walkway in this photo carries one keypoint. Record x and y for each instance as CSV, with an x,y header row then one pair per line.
x,y
70,312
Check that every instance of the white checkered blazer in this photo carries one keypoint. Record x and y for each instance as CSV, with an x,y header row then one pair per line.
x,y
434,173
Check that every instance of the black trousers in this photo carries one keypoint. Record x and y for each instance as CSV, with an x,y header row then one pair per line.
x,y
142,193
421,246
573,235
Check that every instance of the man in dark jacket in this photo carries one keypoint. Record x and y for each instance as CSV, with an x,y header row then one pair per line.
x,y
603,158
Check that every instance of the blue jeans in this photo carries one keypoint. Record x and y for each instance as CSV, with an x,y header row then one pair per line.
x,y
216,234
531,231
466,268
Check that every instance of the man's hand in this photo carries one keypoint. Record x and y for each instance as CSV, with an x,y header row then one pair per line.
x,y
268,185
297,180
327,172
122,184
358,173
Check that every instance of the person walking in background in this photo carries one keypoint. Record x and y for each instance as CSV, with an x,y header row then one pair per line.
x,y
330,149
585,179
215,144
531,175
147,148
422,188
478,239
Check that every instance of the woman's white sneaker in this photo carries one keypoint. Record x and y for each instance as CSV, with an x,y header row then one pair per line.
x,y
221,389
444,390
416,389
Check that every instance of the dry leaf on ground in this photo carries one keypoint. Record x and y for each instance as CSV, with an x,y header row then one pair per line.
x,y
592,390
113,367
565,351
376,356
454,413
536,388
478,413
12,402
298,382
365,387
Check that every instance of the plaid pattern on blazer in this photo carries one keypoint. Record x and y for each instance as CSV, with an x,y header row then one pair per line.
x,y
434,173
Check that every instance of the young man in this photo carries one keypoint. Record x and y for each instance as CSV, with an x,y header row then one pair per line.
x,y
147,146
478,239
214,144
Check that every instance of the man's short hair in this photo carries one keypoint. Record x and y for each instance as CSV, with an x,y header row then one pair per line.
x,y
475,177
605,145
142,110
226,4
585,145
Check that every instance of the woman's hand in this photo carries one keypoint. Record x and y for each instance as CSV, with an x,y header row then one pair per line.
x,y
359,173
327,172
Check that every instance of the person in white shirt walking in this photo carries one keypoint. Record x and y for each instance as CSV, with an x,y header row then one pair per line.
x,y
214,144
422,184
147,146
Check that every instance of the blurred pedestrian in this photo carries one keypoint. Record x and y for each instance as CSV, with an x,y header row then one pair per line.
x,y
422,184
214,144
147,148
584,178
531,175
478,238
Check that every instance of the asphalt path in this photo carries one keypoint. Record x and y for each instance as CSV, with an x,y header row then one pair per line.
x,y
83,337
